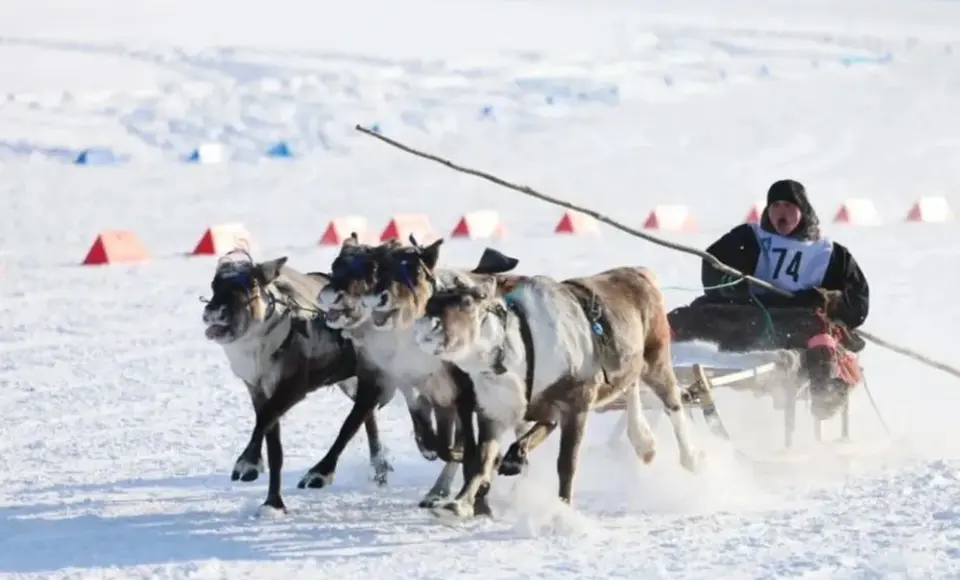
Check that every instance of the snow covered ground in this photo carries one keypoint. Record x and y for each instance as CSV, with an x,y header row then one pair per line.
x,y
121,423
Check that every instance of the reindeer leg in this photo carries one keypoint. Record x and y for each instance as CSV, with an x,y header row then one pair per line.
x,y
269,411
638,429
250,462
275,464
515,459
472,497
446,428
441,487
571,436
489,459
369,394
449,434
465,403
378,451
420,410
660,377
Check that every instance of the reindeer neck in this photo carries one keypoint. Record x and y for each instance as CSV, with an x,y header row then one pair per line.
x,y
396,353
253,357
276,330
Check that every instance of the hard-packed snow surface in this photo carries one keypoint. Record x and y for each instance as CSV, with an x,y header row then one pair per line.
x,y
121,423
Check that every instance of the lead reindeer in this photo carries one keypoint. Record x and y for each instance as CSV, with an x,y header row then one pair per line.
x,y
550,352
375,296
263,316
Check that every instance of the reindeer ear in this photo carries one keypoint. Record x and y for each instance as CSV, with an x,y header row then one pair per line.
x,y
270,270
430,255
495,262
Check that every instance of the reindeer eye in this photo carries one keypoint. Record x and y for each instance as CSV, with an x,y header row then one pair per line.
x,y
466,300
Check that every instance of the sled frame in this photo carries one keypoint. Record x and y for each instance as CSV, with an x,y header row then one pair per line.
x,y
698,381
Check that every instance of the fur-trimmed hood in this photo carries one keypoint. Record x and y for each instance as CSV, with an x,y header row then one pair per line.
x,y
795,193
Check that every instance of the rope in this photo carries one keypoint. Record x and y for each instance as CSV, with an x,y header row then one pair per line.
x,y
873,403
706,288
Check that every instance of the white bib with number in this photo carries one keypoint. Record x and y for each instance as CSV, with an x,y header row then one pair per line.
x,y
790,264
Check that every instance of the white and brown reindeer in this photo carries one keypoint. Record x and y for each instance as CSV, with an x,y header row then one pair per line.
x,y
365,280
550,352
352,273
264,317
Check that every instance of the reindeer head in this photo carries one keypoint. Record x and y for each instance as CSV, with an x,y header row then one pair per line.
x,y
353,273
404,283
455,322
239,302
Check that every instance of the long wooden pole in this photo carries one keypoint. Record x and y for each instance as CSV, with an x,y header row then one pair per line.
x,y
526,190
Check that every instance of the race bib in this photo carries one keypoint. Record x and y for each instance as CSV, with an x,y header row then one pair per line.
x,y
790,264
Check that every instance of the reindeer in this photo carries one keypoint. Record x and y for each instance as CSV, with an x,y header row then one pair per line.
x,y
393,276
353,271
263,315
550,352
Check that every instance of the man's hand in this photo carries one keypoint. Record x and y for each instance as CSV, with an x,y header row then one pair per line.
x,y
831,299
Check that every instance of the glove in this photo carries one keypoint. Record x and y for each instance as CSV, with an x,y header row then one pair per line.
x,y
817,297
830,299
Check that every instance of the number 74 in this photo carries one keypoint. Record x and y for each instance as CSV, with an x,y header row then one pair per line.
x,y
793,267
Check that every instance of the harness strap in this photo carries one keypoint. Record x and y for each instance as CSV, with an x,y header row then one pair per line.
x,y
298,325
526,336
602,334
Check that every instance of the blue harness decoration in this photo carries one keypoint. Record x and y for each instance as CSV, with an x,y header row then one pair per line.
x,y
404,274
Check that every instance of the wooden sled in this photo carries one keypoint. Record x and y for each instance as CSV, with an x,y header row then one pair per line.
x,y
769,374
698,382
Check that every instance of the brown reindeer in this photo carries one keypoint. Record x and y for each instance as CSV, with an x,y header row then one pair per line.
x,y
550,352
263,315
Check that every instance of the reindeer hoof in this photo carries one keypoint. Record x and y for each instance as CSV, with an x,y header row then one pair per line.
x,y
453,510
380,477
246,471
428,447
513,462
432,499
273,503
381,467
648,456
482,508
693,460
314,480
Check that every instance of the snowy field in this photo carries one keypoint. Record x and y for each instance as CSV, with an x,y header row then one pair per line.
x,y
121,423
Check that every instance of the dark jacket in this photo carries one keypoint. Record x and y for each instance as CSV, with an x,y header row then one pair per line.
x,y
739,249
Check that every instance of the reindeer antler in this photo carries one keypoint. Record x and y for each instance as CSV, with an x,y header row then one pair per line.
x,y
415,244
231,256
